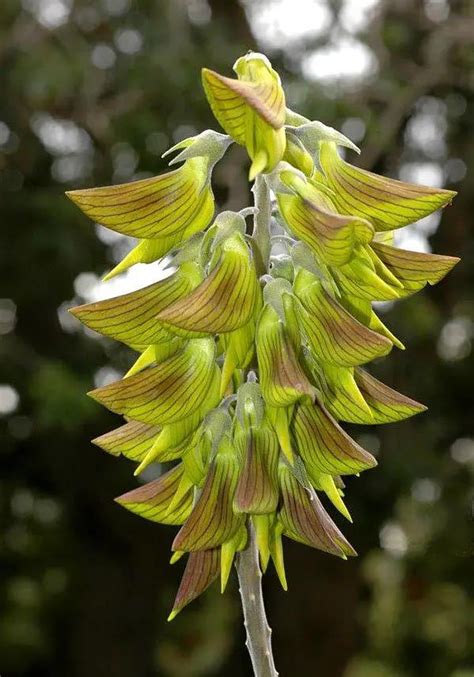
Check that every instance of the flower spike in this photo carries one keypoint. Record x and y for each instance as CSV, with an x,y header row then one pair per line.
x,y
250,351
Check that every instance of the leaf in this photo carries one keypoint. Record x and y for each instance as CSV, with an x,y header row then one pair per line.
x,y
212,521
223,302
333,335
157,207
324,445
305,519
386,404
152,500
202,569
168,392
131,318
282,378
387,203
257,488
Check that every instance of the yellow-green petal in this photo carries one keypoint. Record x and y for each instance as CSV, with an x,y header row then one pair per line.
x,y
160,206
212,521
386,404
168,392
324,445
223,302
386,202
333,334
282,378
152,500
131,318
202,569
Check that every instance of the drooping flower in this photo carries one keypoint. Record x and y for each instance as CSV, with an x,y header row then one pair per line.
x,y
242,380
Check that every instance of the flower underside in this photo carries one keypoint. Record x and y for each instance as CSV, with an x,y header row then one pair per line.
x,y
244,375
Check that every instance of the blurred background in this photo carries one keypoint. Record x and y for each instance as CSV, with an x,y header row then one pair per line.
x,y
92,92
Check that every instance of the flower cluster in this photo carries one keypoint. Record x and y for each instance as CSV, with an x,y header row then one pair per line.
x,y
251,354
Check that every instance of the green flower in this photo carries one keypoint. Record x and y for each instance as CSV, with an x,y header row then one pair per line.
x,y
245,371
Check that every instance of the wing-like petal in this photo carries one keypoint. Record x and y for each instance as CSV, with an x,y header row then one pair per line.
x,y
168,392
387,203
152,500
150,208
324,445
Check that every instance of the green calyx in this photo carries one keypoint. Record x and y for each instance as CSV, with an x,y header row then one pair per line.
x,y
252,351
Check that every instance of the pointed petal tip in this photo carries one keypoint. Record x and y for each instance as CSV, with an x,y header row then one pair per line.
x,y
173,615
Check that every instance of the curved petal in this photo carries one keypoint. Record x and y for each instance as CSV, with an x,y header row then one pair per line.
x,y
386,404
414,269
168,392
223,302
131,318
152,500
257,488
156,207
202,569
324,445
212,521
282,378
305,519
332,333
387,203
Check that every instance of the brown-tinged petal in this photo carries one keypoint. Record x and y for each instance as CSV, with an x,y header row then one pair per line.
x,y
305,519
324,445
387,203
168,392
152,500
257,488
202,569
386,404
212,521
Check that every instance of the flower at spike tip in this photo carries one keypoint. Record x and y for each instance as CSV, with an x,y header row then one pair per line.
x,y
244,378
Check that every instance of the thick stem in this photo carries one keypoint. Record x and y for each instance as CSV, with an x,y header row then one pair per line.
x,y
259,634
261,224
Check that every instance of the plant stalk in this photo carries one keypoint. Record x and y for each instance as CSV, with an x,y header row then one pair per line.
x,y
259,634
262,218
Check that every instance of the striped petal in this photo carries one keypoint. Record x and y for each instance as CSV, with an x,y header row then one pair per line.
x,y
212,521
282,378
250,109
257,488
414,269
333,335
312,218
152,500
131,318
325,446
358,278
132,440
343,398
202,569
151,208
223,302
386,404
305,519
168,392
387,203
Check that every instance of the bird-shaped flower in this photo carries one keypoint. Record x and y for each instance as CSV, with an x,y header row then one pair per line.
x,y
243,379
